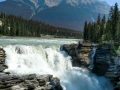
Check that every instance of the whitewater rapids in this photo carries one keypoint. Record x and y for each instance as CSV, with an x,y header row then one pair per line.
x,y
44,56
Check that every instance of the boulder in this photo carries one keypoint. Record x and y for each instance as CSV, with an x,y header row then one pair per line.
x,y
46,77
3,67
31,84
18,87
105,64
80,53
40,88
102,60
57,84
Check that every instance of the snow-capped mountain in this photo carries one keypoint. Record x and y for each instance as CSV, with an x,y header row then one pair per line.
x,y
61,13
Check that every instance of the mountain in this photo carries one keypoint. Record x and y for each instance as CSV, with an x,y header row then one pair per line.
x,y
61,13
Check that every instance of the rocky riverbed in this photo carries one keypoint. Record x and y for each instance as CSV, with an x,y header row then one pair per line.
x,y
26,82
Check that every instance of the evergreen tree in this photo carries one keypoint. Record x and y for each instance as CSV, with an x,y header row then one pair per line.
x,y
99,20
85,31
116,22
103,30
108,33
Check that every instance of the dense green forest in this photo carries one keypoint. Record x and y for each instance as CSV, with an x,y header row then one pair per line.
x,y
104,30
11,25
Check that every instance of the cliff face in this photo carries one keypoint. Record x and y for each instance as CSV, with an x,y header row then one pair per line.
x,y
104,63
61,13
80,53
107,65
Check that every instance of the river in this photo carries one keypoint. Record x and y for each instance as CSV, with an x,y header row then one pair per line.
x,y
45,56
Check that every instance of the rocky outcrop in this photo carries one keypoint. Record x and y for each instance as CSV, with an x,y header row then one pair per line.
x,y
2,62
80,53
26,82
105,64
29,82
102,59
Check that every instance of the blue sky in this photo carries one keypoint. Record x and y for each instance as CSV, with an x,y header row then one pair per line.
x,y
112,2
2,0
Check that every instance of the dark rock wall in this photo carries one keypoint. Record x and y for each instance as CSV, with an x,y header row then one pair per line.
x,y
105,65
80,53
104,61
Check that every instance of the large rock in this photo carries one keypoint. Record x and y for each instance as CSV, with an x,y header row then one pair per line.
x,y
80,53
105,64
18,87
2,60
29,82
2,56
3,67
57,84
102,61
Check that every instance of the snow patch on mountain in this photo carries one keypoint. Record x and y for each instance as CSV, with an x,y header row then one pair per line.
x,y
93,20
51,3
73,2
77,2
35,2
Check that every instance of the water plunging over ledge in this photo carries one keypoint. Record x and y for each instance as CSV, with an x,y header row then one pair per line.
x,y
43,56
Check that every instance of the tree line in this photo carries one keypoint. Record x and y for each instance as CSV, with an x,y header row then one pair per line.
x,y
11,25
103,30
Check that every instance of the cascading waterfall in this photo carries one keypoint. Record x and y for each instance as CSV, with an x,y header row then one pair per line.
x,y
49,59
92,59
22,59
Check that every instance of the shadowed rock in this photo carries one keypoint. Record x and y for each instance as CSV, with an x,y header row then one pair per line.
x,y
80,53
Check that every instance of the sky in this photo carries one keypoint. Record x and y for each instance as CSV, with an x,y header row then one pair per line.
x,y
112,2
2,0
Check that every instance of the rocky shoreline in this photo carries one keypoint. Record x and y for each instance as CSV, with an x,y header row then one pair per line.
x,y
26,82
104,64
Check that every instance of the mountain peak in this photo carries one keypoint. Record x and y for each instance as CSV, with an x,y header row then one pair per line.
x,y
60,13
51,3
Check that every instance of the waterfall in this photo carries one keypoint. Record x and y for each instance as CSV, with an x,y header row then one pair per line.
x,y
92,59
22,59
49,59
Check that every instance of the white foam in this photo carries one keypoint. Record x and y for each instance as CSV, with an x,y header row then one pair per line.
x,y
40,59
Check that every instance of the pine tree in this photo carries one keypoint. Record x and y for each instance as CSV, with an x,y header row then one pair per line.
x,y
108,33
99,19
89,31
85,31
102,28
116,22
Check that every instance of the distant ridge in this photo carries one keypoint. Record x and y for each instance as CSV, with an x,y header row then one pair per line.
x,y
61,13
